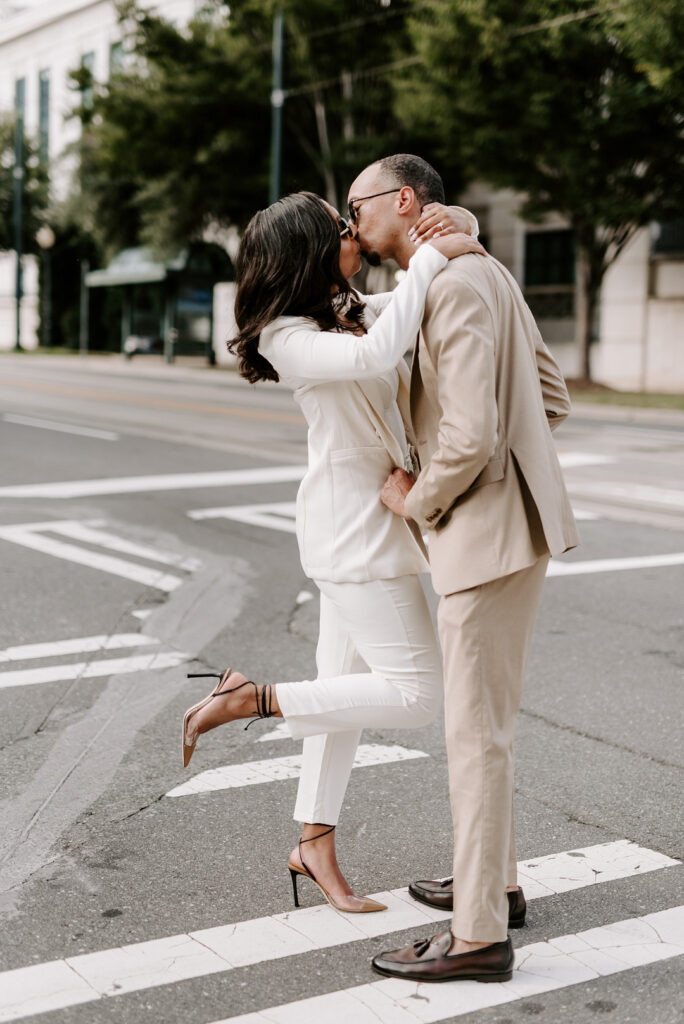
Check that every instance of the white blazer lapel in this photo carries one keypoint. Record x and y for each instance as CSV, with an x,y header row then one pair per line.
x,y
391,443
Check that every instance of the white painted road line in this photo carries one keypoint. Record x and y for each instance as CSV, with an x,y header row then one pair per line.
x,y
273,516
540,967
143,965
34,535
76,645
632,493
165,482
572,460
558,568
280,515
281,732
90,670
63,428
90,532
252,773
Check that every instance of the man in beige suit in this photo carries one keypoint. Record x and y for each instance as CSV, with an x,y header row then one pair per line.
x,y
485,395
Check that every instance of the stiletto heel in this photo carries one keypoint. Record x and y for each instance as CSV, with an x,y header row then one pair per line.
x,y
293,875
366,904
264,708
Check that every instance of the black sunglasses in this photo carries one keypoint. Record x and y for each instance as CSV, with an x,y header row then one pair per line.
x,y
351,205
346,230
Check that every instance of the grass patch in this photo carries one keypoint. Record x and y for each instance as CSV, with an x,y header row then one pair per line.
x,y
599,394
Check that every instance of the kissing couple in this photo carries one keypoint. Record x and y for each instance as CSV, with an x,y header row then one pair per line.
x,y
458,450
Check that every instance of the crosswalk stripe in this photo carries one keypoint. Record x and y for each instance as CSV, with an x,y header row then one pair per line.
x,y
90,532
558,568
281,732
630,492
110,972
34,536
272,516
540,967
573,460
161,482
76,645
252,773
92,669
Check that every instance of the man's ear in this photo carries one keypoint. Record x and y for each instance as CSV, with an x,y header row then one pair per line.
x,y
407,204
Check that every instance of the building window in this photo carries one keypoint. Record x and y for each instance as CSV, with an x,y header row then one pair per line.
x,y
549,258
116,57
550,274
88,64
44,116
670,240
20,97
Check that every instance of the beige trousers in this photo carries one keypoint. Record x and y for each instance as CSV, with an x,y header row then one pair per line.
x,y
485,634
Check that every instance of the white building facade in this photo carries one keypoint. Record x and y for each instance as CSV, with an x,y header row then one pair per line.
x,y
41,43
640,323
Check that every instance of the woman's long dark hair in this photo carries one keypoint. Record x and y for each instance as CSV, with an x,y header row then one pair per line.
x,y
289,265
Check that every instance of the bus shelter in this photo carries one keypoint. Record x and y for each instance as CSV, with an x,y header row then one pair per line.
x,y
166,306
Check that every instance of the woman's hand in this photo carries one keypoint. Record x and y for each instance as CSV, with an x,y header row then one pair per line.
x,y
437,219
459,244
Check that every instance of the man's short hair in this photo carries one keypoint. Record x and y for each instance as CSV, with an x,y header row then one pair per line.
x,y
406,169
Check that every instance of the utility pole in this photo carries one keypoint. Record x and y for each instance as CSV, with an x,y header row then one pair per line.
x,y
18,202
84,310
277,100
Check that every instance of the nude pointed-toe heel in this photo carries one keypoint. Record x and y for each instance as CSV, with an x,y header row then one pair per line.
x,y
263,696
189,748
366,904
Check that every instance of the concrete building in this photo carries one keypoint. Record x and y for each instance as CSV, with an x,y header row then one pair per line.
x,y
41,42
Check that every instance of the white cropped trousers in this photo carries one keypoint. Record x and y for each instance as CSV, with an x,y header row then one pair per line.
x,y
378,667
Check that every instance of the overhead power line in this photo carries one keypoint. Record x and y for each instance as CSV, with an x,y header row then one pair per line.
x,y
386,69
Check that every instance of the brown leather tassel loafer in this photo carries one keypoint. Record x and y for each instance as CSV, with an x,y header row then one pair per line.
x,y
428,960
441,895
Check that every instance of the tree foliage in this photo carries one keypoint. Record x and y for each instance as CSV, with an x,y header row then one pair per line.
x,y
34,193
548,97
653,33
173,142
180,140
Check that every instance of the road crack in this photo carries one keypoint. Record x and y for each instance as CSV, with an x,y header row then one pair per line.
x,y
535,716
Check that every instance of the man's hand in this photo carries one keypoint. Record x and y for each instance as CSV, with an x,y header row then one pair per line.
x,y
394,490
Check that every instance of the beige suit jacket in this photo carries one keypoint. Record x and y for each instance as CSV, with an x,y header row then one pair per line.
x,y
485,395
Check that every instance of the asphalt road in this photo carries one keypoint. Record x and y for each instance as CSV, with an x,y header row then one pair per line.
x,y
146,525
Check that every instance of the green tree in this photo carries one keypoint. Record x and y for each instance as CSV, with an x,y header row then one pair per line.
x,y
34,193
172,143
654,35
548,97
180,140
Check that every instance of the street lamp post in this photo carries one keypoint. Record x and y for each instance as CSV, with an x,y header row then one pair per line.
x,y
277,100
45,237
18,204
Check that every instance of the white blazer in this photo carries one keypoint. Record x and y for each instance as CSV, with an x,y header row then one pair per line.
x,y
352,390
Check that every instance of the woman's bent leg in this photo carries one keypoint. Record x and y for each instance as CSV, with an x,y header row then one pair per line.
x,y
388,623
327,758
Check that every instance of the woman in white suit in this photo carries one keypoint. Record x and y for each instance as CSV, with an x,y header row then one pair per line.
x,y
377,658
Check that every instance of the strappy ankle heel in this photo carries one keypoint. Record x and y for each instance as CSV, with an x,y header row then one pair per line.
x,y
263,696
366,904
